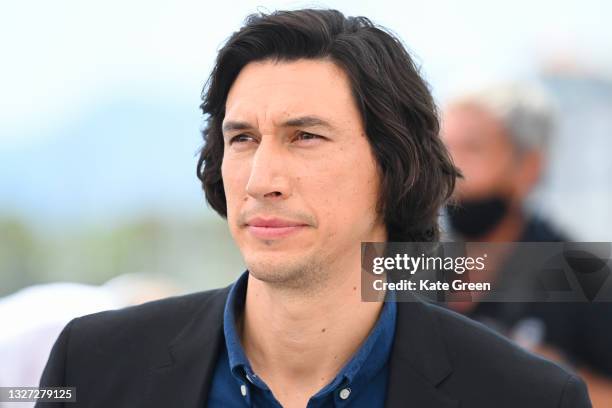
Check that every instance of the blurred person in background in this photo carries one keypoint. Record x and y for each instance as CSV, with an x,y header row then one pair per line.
x,y
33,317
498,137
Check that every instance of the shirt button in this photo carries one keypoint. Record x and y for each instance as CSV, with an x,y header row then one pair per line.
x,y
243,390
344,393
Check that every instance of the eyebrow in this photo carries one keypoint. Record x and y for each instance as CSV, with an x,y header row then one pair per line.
x,y
302,121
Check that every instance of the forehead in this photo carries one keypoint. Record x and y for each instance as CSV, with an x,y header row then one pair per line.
x,y
272,91
467,122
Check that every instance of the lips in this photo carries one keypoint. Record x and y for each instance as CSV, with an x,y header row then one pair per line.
x,y
272,223
273,228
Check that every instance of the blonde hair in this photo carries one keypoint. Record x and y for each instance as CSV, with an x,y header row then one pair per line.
x,y
525,110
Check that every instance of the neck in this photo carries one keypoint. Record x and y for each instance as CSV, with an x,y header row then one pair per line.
x,y
298,341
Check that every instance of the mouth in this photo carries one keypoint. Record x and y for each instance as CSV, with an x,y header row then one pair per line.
x,y
273,228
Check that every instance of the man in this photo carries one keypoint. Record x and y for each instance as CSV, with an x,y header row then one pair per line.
x,y
320,135
499,136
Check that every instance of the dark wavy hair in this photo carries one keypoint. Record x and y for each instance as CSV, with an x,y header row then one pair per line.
x,y
398,111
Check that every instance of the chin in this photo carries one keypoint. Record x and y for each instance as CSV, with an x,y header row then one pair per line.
x,y
270,269
288,272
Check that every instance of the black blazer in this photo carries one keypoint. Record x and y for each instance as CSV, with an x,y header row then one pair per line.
x,y
163,354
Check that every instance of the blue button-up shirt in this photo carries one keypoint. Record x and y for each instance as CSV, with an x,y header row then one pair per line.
x,y
362,382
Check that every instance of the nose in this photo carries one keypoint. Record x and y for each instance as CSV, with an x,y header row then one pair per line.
x,y
269,178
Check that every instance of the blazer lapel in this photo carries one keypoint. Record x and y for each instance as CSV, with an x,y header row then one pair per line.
x,y
181,374
418,362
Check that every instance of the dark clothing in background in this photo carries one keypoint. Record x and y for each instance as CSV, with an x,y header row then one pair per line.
x,y
581,331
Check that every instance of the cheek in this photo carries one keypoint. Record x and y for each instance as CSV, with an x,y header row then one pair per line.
x,y
484,176
366,177
349,192
233,185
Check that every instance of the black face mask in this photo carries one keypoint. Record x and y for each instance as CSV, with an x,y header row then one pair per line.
x,y
475,218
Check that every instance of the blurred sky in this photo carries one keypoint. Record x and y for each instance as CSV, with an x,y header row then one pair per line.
x,y
99,100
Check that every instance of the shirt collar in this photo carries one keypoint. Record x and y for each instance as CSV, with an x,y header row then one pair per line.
x,y
369,359
234,307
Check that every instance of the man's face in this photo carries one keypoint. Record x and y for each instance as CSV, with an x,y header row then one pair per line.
x,y
300,179
482,150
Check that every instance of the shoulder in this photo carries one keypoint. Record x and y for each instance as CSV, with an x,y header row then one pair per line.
x,y
495,366
129,341
167,308
156,322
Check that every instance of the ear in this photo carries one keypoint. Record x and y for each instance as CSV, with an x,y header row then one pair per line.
x,y
528,172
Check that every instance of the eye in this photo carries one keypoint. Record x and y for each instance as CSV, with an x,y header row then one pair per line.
x,y
242,138
306,136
